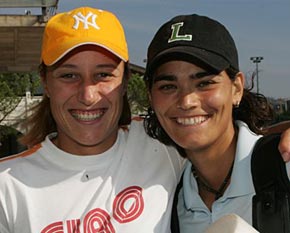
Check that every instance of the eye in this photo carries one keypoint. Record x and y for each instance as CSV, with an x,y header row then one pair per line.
x,y
102,76
167,87
206,83
68,76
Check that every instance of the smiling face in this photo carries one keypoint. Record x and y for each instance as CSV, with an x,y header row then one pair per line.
x,y
86,97
193,106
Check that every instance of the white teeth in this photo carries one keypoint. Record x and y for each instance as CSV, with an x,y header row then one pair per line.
x,y
84,116
191,120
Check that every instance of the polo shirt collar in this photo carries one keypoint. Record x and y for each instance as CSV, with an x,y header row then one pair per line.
x,y
241,179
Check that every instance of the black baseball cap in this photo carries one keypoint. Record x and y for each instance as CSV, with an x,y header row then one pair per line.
x,y
194,38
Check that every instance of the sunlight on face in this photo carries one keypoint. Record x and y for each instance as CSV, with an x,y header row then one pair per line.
x,y
86,91
193,106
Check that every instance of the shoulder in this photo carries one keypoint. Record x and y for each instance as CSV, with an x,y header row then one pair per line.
x,y
136,128
139,141
137,134
246,138
14,161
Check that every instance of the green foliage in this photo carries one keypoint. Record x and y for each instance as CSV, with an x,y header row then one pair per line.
x,y
13,87
137,95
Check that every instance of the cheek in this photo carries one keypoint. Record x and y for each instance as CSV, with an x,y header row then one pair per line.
x,y
214,100
108,88
113,92
158,103
56,90
218,100
59,96
57,105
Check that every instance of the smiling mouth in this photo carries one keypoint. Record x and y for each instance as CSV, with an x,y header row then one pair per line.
x,y
87,115
191,120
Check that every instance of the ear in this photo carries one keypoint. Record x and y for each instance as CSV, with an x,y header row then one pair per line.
x,y
238,88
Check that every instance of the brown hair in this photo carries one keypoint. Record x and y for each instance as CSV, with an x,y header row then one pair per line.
x,y
41,122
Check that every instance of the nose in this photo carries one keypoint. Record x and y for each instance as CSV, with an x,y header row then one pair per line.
x,y
88,93
187,100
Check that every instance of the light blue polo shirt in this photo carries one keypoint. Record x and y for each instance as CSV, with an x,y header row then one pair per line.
x,y
194,216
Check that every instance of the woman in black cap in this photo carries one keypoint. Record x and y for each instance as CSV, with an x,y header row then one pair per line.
x,y
199,105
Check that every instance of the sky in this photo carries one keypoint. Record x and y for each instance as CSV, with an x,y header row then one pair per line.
x,y
259,28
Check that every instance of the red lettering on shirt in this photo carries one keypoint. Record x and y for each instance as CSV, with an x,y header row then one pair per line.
x,y
98,220
53,227
128,205
73,226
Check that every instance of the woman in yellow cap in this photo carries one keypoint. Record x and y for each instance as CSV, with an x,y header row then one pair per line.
x,y
87,169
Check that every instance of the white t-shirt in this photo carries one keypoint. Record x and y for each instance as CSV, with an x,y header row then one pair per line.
x,y
129,188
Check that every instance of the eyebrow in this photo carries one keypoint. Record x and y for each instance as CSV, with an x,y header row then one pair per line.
x,y
114,66
203,74
170,77
97,66
164,77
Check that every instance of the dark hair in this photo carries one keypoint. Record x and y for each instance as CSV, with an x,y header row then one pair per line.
x,y
254,109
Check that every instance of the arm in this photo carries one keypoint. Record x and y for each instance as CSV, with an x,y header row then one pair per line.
x,y
284,145
278,128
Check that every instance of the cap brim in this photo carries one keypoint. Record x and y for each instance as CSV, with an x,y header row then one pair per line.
x,y
201,57
60,51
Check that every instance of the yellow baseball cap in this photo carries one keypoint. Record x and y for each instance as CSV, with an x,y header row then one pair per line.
x,y
81,26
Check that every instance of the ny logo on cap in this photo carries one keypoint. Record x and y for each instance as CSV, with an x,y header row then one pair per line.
x,y
79,17
175,33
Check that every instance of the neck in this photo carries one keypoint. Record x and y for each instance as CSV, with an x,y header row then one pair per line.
x,y
213,162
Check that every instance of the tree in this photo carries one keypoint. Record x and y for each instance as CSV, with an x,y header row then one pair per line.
x,y
13,87
137,95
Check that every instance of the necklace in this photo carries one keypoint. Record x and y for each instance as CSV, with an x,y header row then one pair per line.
x,y
203,184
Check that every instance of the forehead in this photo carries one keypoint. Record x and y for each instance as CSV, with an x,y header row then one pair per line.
x,y
177,66
179,70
